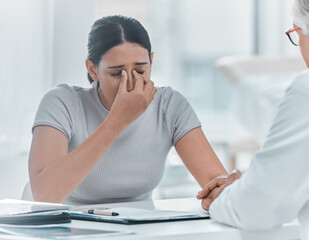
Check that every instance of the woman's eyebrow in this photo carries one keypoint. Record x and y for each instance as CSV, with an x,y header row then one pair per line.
x,y
141,63
121,66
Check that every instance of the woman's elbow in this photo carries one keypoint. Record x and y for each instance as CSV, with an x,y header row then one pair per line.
x,y
42,193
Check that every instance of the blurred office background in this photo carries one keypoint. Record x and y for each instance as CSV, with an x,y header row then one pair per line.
x,y
43,43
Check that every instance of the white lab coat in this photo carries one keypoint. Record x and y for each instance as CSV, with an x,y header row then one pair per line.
x,y
275,188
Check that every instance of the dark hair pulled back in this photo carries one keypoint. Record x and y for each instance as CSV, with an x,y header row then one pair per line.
x,y
108,32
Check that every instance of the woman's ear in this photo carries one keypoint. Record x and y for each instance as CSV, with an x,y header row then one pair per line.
x,y
92,70
151,57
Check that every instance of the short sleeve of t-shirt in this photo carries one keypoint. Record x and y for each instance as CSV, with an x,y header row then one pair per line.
x,y
57,109
180,116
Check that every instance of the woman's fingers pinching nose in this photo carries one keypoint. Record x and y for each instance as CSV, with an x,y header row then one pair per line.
x,y
136,74
123,81
139,81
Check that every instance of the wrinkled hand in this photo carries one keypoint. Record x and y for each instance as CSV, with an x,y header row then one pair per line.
x,y
214,188
128,106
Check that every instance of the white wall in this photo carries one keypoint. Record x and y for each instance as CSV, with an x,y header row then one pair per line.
x,y
72,23
275,17
24,28
42,43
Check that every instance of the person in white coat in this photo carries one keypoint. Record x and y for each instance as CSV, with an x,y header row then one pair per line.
x,y
275,188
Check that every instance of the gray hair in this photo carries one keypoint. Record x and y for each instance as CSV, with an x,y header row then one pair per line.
x,y
301,15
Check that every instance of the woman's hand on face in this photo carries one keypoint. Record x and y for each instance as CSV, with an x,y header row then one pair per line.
x,y
214,188
128,106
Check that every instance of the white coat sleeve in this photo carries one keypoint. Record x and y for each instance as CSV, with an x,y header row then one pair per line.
x,y
276,185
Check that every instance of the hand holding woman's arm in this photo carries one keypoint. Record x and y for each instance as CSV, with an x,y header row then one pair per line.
x,y
214,188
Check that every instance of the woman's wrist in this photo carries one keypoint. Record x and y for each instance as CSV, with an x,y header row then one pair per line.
x,y
115,122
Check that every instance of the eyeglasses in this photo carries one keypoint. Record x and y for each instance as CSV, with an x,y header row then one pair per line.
x,y
293,35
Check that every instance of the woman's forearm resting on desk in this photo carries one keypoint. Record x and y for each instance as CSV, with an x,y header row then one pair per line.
x,y
54,173
199,157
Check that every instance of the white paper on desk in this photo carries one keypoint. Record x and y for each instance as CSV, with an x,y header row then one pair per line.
x,y
142,215
59,232
13,206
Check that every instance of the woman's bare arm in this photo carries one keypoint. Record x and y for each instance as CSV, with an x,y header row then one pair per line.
x,y
199,157
55,173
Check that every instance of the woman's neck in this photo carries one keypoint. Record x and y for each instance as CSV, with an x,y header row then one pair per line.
x,y
106,103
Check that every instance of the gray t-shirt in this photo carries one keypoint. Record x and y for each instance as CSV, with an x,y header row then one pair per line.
x,y
133,166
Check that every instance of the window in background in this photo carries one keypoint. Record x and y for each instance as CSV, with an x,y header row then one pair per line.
x,y
187,37
45,43
25,48
42,43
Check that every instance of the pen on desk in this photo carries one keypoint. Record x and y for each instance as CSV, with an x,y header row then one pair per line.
x,y
100,212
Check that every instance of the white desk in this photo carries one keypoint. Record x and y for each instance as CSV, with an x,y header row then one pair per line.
x,y
197,229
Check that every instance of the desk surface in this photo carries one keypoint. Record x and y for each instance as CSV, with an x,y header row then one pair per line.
x,y
193,229
196,229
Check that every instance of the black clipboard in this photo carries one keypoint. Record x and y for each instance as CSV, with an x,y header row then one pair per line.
x,y
38,218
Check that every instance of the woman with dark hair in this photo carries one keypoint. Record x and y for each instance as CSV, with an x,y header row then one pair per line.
x,y
109,142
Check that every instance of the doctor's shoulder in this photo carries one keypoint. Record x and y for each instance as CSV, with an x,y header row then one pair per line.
x,y
300,84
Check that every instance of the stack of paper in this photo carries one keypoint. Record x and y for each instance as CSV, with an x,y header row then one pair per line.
x,y
60,232
13,206
32,213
